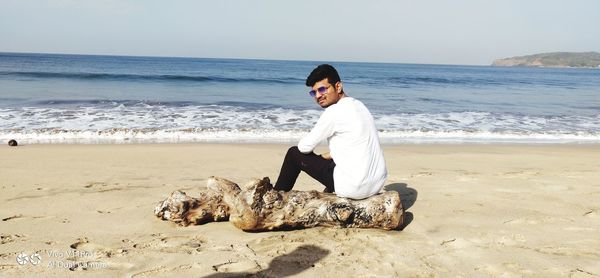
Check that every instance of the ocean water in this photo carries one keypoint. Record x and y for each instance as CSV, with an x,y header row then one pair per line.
x,y
70,99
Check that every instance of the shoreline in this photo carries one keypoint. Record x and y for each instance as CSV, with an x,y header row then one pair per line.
x,y
471,210
268,139
4,144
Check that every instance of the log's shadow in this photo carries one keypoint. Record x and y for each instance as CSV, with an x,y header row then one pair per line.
x,y
408,197
301,259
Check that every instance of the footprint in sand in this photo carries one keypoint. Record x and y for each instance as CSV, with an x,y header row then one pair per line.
x,y
236,266
467,176
521,173
95,184
95,251
593,213
421,174
85,255
84,245
173,244
4,239
510,240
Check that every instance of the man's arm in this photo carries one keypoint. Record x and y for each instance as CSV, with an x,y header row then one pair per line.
x,y
321,131
326,155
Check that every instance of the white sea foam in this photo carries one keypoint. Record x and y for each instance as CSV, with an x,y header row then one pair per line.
x,y
119,123
118,136
144,116
484,137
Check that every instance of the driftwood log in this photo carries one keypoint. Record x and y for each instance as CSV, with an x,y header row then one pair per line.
x,y
257,207
185,210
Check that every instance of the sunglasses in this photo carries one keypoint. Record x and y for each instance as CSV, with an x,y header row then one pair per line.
x,y
322,90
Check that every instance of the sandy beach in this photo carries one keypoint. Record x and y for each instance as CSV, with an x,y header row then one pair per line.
x,y
474,210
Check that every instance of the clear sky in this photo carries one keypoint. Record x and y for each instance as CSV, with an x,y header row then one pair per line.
x,y
405,31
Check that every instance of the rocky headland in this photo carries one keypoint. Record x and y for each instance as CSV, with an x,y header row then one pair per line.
x,y
555,59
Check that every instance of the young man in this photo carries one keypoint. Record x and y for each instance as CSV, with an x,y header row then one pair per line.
x,y
354,167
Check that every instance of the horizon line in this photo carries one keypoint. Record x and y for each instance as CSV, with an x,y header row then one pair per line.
x,y
235,58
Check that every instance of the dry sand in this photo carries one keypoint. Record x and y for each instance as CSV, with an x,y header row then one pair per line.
x,y
472,210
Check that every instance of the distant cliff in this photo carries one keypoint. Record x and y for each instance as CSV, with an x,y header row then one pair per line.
x,y
556,59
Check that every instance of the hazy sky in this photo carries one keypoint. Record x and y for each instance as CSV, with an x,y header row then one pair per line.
x,y
404,31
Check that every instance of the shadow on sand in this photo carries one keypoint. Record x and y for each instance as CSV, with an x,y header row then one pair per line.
x,y
303,258
408,197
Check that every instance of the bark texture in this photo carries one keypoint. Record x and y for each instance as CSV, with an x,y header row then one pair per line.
x,y
185,210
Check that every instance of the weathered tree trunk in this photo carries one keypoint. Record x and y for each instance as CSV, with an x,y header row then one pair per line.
x,y
257,207
185,210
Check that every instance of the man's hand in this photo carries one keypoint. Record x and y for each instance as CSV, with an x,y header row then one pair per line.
x,y
326,155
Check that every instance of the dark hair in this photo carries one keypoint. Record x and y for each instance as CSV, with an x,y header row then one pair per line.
x,y
321,72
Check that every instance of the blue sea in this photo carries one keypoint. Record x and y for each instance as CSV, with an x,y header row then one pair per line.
x,y
82,99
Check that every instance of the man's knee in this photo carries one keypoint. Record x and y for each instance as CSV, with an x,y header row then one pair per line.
x,y
293,151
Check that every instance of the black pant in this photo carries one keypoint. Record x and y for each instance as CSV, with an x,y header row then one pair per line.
x,y
316,166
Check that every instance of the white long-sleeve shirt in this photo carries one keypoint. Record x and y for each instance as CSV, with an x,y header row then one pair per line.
x,y
349,128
